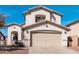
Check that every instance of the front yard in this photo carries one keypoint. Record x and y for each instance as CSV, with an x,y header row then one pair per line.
x,y
64,50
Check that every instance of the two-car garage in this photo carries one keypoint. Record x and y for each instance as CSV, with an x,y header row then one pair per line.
x,y
45,39
46,36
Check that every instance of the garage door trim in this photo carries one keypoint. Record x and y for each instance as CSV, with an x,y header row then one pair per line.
x,y
42,31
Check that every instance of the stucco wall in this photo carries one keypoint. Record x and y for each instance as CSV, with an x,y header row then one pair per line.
x,y
11,29
74,30
30,18
57,17
75,41
74,33
50,27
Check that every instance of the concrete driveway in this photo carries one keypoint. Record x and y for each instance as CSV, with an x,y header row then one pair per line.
x,y
54,50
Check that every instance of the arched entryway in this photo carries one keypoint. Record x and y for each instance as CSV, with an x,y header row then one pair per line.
x,y
14,36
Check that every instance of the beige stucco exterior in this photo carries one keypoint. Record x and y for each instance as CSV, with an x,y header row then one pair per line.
x,y
30,20
58,18
11,29
74,30
50,27
74,33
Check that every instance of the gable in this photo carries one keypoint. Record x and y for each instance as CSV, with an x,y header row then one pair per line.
x,y
40,11
13,25
50,15
72,23
43,23
42,8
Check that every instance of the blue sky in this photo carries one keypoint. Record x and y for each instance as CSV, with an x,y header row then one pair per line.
x,y
15,13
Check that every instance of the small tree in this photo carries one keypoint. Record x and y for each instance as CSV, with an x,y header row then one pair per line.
x,y
2,23
2,20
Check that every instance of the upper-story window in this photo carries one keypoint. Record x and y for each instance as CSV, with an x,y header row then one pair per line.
x,y
39,17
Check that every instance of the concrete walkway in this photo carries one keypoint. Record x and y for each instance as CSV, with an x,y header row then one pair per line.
x,y
54,50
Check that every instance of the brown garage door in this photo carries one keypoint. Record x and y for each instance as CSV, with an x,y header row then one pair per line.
x,y
46,40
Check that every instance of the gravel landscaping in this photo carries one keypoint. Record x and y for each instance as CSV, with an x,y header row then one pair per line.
x,y
20,51
12,50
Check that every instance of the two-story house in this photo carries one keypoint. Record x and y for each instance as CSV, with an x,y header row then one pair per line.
x,y
42,28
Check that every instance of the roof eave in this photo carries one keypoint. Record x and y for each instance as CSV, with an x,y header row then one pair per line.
x,y
65,28
51,11
72,23
13,24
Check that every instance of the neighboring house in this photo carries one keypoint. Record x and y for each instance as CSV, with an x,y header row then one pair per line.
x,y
2,39
42,28
74,33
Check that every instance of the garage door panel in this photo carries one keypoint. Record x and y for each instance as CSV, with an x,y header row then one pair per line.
x,y
46,40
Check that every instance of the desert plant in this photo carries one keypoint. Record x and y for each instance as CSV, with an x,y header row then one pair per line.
x,y
19,44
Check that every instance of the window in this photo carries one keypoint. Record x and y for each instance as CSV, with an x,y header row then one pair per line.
x,y
39,17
